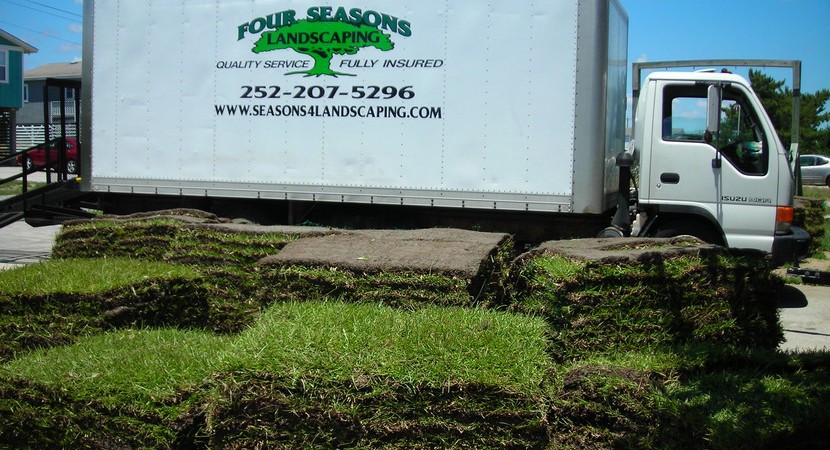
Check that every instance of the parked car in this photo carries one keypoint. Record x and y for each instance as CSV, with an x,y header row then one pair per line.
x,y
815,169
35,157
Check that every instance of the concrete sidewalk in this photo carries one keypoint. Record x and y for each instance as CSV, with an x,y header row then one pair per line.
x,y
805,316
22,244
8,171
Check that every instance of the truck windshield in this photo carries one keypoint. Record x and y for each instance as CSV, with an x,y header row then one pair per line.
x,y
740,140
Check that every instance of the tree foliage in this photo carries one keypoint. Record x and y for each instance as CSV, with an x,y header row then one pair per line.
x,y
814,131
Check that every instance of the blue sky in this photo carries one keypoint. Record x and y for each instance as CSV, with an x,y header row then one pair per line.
x,y
661,30
658,30
54,27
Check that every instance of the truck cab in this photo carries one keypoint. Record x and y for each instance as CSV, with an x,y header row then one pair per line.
x,y
712,165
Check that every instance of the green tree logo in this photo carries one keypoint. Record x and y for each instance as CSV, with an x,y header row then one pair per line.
x,y
321,41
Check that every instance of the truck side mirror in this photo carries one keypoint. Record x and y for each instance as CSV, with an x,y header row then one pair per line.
x,y
713,100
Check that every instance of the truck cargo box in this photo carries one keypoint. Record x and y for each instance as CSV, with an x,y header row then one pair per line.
x,y
516,106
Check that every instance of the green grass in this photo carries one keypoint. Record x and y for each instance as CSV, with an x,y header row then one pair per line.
x,y
83,276
668,353
813,220
817,192
400,289
16,187
56,302
433,346
746,400
127,368
165,240
377,376
616,307
821,194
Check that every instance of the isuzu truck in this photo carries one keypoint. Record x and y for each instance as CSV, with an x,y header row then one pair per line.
x,y
487,115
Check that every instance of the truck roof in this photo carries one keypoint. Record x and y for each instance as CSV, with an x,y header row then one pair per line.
x,y
697,76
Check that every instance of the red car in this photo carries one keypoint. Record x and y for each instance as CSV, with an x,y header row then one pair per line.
x,y
35,158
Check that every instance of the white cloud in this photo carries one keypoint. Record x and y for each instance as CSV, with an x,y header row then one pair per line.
x,y
76,28
691,115
642,58
66,48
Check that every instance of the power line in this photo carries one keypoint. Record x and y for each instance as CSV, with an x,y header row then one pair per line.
x,y
56,9
77,16
39,32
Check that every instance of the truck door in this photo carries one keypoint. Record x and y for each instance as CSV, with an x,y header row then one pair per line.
x,y
734,186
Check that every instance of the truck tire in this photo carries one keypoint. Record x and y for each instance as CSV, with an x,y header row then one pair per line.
x,y
611,232
697,228
72,167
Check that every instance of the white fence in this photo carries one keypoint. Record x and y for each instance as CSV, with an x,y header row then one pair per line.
x,y
31,135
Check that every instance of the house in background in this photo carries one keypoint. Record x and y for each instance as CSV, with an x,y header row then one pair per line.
x,y
34,81
30,119
12,50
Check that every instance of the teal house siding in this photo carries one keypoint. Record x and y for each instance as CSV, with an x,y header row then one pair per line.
x,y
11,70
11,88
12,50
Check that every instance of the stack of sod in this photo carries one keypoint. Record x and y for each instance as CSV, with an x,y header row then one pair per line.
x,y
176,236
224,252
404,268
809,214
667,344
610,295
305,375
56,302
339,353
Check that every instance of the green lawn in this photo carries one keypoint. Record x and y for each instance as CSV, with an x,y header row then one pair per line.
x,y
16,187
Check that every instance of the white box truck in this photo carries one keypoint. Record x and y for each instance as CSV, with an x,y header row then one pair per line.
x,y
491,115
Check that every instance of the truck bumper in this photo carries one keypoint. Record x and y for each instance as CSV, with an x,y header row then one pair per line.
x,y
790,247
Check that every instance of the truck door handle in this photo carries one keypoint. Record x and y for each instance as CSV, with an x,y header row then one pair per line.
x,y
670,178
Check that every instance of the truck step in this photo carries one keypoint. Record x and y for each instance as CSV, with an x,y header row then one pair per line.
x,y
810,276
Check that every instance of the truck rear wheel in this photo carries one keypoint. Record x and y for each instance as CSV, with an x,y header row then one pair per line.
x,y
696,228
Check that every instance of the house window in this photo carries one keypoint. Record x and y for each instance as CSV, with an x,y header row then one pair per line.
x,y
4,66
25,93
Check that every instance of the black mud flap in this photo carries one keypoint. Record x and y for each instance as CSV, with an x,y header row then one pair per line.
x,y
790,248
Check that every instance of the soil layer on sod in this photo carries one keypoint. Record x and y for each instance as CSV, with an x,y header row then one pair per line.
x,y
436,250
401,267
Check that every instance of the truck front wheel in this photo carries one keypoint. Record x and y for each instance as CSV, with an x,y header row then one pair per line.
x,y
697,228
